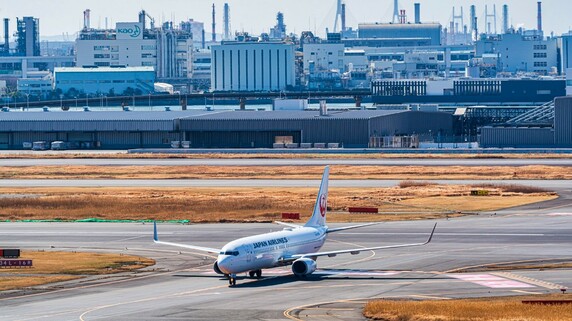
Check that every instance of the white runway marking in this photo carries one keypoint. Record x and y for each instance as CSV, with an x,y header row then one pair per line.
x,y
559,214
325,272
490,281
450,234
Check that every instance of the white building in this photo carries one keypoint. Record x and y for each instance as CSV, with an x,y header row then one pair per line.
x,y
167,50
566,51
323,56
521,52
252,66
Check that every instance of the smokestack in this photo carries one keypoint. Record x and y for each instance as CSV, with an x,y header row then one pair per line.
x,y
395,11
86,19
343,17
476,23
505,19
540,16
226,22
141,18
6,35
214,25
203,38
417,13
473,20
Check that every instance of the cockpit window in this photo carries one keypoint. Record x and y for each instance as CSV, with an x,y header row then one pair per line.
x,y
233,253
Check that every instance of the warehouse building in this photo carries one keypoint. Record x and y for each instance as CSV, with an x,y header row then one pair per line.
x,y
215,129
252,66
104,80
548,126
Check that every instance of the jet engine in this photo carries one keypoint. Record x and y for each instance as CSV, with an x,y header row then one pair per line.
x,y
304,266
216,269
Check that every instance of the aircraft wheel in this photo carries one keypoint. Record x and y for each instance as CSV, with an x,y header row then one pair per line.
x,y
251,274
258,274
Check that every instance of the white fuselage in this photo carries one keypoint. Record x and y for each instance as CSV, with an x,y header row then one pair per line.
x,y
269,250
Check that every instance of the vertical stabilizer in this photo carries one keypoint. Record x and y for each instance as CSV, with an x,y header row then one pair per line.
x,y
321,207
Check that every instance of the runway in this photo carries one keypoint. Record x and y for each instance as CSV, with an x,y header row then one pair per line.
x,y
291,183
183,287
284,162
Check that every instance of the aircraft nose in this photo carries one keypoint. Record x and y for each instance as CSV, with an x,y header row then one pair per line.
x,y
225,264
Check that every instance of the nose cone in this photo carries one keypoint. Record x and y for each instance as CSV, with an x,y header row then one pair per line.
x,y
225,264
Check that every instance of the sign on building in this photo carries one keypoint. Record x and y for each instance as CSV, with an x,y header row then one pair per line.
x,y
129,30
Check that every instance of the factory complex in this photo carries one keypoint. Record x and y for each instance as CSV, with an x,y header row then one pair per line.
x,y
465,81
216,129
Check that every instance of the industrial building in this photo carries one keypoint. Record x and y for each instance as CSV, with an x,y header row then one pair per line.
x,y
520,52
547,126
221,129
28,42
167,49
252,66
463,91
104,80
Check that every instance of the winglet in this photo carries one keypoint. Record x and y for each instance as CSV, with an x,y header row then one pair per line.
x,y
155,236
431,236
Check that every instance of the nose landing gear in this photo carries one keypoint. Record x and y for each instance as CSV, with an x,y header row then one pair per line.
x,y
231,279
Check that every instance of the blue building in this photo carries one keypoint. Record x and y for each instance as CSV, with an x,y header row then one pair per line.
x,y
104,80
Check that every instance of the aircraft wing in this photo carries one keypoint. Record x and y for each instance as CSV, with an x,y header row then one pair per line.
x,y
192,247
331,230
358,250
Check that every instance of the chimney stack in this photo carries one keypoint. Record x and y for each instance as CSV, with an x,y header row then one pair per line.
x,y
214,25
417,13
87,19
343,17
540,16
6,35
505,19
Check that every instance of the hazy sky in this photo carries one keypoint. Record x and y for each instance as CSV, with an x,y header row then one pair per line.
x,y
256,16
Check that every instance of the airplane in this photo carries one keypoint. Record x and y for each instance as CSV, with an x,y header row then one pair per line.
x,y
295,245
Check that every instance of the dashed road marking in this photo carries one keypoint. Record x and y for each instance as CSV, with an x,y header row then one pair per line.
x,y
539,283
491,281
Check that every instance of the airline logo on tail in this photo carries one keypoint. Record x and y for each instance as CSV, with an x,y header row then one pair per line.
x,y
323,204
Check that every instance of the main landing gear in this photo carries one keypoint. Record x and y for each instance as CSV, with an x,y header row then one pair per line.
x,y
257,273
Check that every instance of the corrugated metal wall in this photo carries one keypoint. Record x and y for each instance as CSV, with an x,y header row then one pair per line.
x,y
412,123
516,137
159,139
563,122
349,132
88,125
113,140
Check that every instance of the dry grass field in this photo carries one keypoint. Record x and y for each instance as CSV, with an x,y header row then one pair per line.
x,y
287,172
380,155
496,309
50,267
253,204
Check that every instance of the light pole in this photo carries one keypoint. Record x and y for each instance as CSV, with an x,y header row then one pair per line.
x,y
149,99
87,100
27,101
133,100
75,101
61,101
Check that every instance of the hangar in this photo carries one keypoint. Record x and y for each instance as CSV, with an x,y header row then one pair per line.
x,y
548,126
215,129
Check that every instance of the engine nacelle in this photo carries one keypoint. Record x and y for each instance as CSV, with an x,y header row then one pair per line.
x,y
216,269
304,266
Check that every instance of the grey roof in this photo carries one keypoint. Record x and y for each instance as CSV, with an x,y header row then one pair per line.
x,y
293,115
77,121
97,115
